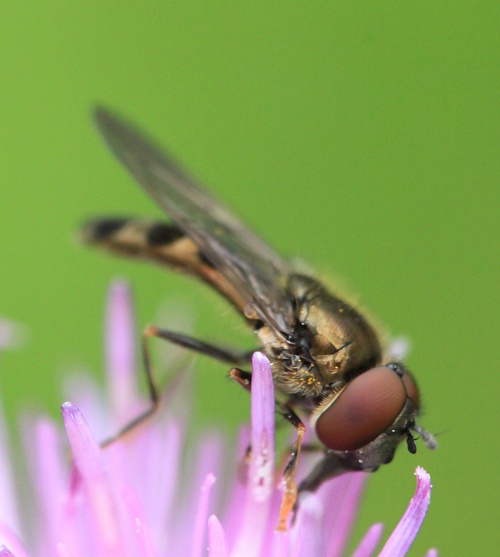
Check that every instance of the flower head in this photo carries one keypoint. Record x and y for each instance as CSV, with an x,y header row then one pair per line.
x,y
150,494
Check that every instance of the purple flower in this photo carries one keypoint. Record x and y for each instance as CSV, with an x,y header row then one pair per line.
x,y
156,493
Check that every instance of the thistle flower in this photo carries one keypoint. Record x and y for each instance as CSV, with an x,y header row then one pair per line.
x,y
147,494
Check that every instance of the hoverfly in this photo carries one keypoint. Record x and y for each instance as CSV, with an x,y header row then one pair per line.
x,y
328,361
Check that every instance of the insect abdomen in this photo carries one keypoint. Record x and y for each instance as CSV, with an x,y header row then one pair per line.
x,y
161,243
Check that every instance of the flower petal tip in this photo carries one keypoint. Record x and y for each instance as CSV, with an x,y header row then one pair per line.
x,y
216,538
261,362
209,482
71,412
120,288
12,335
263,423
405,532
423,482
120,312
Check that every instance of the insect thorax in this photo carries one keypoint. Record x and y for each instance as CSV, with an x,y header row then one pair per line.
x,y
330,343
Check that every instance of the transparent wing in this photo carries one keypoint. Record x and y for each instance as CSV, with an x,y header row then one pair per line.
x,y
234,250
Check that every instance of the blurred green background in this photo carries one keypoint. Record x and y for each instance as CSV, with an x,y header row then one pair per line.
x,y
363,137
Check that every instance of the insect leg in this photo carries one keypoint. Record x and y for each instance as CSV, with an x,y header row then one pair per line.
x,y
153,390
243,378
289,475
222,354
154,396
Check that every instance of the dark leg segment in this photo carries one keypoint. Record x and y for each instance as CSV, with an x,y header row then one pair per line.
x,y
154,393
199,346
243,378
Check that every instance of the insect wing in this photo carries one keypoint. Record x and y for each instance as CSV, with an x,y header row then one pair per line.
x,y
247,262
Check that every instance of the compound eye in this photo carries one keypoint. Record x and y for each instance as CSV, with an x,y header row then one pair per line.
x,y
364,409
411,387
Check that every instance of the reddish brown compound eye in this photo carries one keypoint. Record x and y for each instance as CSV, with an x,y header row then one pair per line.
x,y
364,409
411,388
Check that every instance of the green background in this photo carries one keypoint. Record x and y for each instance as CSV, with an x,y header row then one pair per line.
x,y
363,137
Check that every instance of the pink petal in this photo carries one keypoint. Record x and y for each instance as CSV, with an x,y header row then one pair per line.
x,y
263,413
104,535
12,335
145,541
254,511
64,551
232,511
8,510
217,544
120,354
4,552
307,535
50,482
341,498
162,481
369,542
198,534
11,543
406,530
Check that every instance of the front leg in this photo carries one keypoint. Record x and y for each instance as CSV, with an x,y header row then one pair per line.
x,y
222,354
290,491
